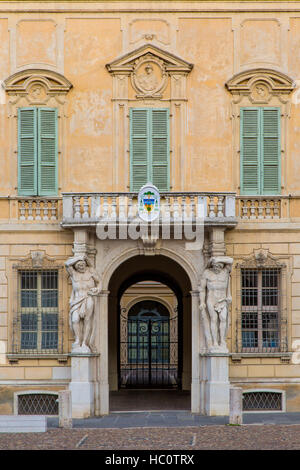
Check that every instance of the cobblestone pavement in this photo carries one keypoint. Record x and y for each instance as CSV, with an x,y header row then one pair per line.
x,y
221,437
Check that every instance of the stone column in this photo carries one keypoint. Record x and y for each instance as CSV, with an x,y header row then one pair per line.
x,y
195,386
103,345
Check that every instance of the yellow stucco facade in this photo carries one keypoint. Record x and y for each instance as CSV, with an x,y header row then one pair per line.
x,y
81,58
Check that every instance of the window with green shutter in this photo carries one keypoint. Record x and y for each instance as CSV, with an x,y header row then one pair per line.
x,y
37,151
260,151
149,148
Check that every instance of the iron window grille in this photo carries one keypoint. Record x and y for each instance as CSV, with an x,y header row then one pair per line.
x,y
260,309
262,401
261,313
38,404
37,325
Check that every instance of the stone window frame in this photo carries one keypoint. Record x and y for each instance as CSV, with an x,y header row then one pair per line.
x,y
278,88
20,90
36,260
171,93
259,259
272,390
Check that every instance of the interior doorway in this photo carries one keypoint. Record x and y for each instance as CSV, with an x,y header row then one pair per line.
x,y
149,344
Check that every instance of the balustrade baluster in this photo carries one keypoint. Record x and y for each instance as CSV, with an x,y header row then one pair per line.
x,y
30,210
22,211
260,209
268,209
211,207
220,206
122,208
77,214
38,210
85,214
105,207
175,208
130,207
276,208
113,214
244,209
252,209
53,210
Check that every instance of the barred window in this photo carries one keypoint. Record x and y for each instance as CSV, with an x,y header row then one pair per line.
x,y
38,403
263,401
260,310
38,310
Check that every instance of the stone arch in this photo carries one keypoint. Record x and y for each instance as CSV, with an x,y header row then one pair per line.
x,y
170,254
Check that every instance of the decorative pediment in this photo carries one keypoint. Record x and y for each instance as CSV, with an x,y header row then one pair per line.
x,y
172,63
261,258
149,68
260,85
37,85
36,260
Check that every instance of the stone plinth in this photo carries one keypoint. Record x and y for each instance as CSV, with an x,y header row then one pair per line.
x,y
65,409
214,384
236,405
82,385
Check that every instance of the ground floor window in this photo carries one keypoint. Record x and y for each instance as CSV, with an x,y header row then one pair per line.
x,y
260,309
37,324
37,403
263,400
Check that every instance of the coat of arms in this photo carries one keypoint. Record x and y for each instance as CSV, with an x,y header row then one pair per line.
x,y
148,202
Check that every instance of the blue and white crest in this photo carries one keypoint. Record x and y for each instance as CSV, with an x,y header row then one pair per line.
x,y
148,202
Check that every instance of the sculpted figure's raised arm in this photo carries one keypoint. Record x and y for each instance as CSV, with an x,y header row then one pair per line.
x,y
215,299
85,286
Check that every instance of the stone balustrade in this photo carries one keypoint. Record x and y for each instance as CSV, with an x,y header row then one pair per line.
x,y
89,208
38,209
260,207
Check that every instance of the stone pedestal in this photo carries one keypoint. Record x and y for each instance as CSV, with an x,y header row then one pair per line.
x,y
214,384
82,385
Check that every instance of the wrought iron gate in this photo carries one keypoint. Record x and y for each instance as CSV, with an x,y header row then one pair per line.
x,y
149,352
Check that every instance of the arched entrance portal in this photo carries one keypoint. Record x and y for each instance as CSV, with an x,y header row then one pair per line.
x,y
149,345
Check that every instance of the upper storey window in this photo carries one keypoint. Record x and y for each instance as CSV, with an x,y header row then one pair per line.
x,y
260,150
260,108
149,148
37,151
37,98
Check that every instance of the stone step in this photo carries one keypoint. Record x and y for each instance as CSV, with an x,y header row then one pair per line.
x,y
12,423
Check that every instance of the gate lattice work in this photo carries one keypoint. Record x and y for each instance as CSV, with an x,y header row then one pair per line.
x,y
149,353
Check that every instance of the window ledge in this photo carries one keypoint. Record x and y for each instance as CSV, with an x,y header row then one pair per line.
x,y
284,357
13,358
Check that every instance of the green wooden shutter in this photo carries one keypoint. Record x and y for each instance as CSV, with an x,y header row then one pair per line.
x,y
250,151
139,148
271,154
159,148
47,151
27,151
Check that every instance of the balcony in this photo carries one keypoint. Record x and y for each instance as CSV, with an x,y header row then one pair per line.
x,y
88,209
73,209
